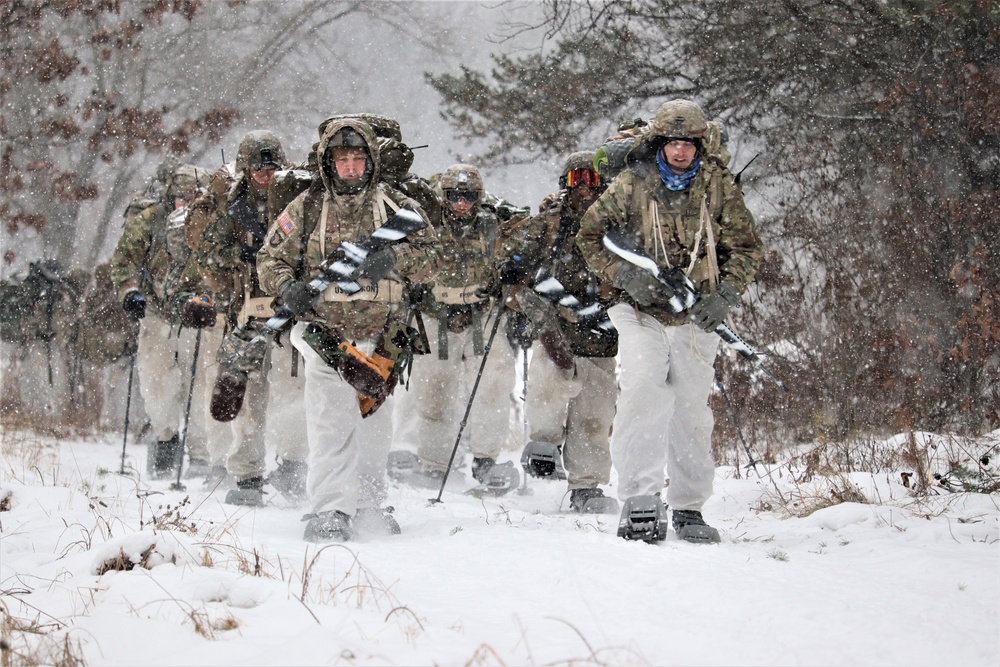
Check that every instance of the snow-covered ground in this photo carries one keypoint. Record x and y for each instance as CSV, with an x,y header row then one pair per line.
x,y
515,580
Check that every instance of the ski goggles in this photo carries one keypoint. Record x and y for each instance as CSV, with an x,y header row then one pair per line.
x,y
582,176
454,196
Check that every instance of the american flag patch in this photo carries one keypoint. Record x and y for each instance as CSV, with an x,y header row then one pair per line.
x,y
285,222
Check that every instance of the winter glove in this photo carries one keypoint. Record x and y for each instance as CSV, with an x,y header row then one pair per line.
x,y
513,271
377,265
710,310
134,305
198,312
298,296
248,253
644,289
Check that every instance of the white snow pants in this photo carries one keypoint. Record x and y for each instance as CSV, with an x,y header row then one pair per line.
x,y
164,364
428,414
574,408
347,454
663,414
211,442
272,415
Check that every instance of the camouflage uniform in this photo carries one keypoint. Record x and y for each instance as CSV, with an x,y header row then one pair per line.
x,y
456,310
233,217
569,403
667,362
150,260
347,456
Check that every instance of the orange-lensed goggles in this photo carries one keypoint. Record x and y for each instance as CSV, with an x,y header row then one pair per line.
x,y
582,177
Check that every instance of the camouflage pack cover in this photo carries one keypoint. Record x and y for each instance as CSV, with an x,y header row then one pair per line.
x,y
106,334
43,305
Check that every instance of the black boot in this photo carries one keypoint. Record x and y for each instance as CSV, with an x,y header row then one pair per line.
x,y
481,467
289,479
690,526
162,458
249,491
592,501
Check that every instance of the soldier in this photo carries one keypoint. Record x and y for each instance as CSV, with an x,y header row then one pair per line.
x,y
146,275
684,210
428,413
233,219
570,403
347,449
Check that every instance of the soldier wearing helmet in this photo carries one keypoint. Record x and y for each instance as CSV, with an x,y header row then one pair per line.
x,y
455,310
570,398
346,204
683,209
148,272
226,228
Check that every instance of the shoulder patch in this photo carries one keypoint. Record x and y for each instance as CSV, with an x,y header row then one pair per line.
x,y
277,238
285,223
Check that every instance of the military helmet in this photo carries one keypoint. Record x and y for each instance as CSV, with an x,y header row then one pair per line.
x,y
258,149
461,177
581,165
186,182
679,119
348,137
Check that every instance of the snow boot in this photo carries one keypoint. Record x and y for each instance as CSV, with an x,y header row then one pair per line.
x,y
197,468
375,521
643,518
691,527
329,526
402,464
248,492
289,479
163,457
592,501
495,478
218,477
542,459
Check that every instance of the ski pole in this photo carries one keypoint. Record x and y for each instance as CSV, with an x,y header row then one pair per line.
x,y
177,486
736,425
472,395
128,399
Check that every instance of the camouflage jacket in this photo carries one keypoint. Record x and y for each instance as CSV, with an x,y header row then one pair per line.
x,y
300,239
151,259
228,217
670,227
549,240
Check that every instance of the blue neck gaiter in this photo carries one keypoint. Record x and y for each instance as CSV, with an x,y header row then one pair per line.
x,y
672,179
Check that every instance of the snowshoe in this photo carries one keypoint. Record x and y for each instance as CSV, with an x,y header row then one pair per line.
x,y
690,526
289,479
375,521
197,468
218,477
163,458
643,518
542,459
329,526
402,464
494,478
249,492
592,501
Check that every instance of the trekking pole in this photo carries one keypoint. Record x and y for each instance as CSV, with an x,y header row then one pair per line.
x,y
128,398
177,486
736,425
472,396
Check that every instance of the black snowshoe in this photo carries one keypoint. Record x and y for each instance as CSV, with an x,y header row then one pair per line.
x,y
163,457
329,526
495,478
592,501
691,527
289,479
249,492
542,459
643,518
402,464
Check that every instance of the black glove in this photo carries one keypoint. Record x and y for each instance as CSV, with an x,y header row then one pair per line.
x,y
377,265
710,310
198,312
513,271
134,305
248,253
640,284
298,296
